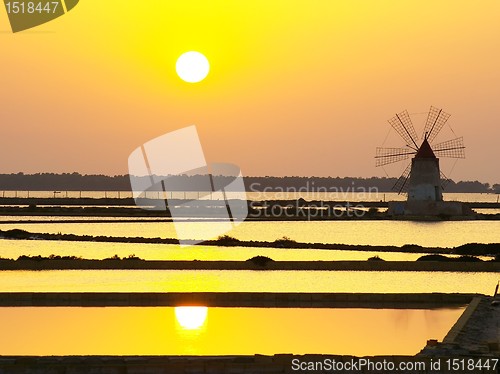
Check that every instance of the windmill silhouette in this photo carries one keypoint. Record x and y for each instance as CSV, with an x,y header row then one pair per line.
x,y
422,179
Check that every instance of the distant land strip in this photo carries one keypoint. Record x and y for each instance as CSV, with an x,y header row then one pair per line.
x,y
242,364
265,210
237,299
79,182
138,264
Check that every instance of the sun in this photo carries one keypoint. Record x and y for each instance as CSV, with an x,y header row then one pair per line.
x,y
192,67
191,317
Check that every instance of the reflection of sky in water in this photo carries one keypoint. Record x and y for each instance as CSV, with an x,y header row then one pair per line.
x,y
159,330
317,194
245,281
432,234
14,249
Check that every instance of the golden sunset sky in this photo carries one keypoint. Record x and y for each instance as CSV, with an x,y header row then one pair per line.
x,y
295,87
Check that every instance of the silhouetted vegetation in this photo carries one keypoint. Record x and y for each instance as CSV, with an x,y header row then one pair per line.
x,y
465,264
285,242
16,234
434,258
478,249
467,259
114,257
227,240
117,258
442,258
375,258
411,248
132,257
51,257
260,260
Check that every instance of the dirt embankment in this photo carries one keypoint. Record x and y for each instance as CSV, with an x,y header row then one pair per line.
x,y
138,264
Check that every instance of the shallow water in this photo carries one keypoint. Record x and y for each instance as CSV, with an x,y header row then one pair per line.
x,y
315,194
219,331
95,250
430,234
245,281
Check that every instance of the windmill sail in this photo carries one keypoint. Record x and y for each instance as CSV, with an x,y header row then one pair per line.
x,y
453,148
401,185
401,122
386,156
444,181
436,119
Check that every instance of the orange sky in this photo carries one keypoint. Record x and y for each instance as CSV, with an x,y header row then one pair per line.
x,y
296,87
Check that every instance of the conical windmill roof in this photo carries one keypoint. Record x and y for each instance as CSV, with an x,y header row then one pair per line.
x,y
425,150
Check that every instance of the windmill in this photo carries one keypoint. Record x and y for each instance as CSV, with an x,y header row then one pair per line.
x,y
422,179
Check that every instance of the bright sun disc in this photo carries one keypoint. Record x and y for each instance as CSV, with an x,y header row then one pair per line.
x,y
192,67
191,317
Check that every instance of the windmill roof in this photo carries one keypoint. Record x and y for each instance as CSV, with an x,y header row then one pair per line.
x,y
425,151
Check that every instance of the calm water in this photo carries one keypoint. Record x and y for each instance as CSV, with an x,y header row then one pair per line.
x,y
431,234
317,195
15,248
219,331
245,281
214,331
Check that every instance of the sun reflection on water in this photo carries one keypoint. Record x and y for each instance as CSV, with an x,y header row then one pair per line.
x,y
191,317
195,330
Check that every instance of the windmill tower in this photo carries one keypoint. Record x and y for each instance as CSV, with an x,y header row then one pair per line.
x,y
424,182
422,179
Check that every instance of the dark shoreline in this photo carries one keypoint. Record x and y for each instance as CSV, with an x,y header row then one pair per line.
x,y
237,299
224,364
137,264
266,210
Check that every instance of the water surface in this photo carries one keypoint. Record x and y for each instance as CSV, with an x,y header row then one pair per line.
x,y
219,331
429,234
317,194
100,250
245,281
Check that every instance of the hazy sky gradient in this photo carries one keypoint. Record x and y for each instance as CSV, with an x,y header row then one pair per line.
x,y
296,87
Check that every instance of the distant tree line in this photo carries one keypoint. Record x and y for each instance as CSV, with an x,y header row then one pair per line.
x,y
79,182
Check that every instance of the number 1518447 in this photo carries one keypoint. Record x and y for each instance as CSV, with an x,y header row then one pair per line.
x,y
472,365
31,7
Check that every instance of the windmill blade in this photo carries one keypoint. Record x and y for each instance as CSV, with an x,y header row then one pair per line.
x,y
454,148
444,181
401,185
401,122
436,119
386,156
